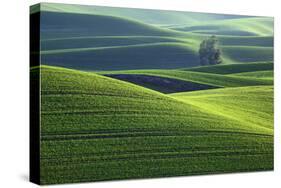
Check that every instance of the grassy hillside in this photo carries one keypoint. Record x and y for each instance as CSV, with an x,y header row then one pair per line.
x,y
139,52
248,53
61,25
262,41
254,26
143,56
210,79
99,128
250,105
73,34
233,68
104,41
159,17
163,83
144,107
256,74
200,78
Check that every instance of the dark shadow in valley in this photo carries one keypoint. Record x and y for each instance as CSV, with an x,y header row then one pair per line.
x,y
161,84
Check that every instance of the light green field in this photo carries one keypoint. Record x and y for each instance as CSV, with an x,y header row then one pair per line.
x,y
97,128
250,105
252,26
256,74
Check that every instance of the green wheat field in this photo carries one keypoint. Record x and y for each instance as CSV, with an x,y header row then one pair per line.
x,y
123,95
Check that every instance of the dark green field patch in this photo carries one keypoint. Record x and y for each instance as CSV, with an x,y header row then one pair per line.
x,y
161,84
140,56
102,41
234,68
245,54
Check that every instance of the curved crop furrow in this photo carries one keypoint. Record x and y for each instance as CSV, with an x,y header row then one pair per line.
x,y
145,134
155,156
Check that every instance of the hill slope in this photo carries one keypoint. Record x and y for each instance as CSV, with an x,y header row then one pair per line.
x,y
251,105
61,25
261,41
255,26
163,83
81,30
126,131
257,74
103,41
143,56
205,79
156,17
233,68
246,54
131,41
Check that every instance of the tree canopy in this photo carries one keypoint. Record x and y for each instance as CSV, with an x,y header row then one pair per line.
x,y
209,52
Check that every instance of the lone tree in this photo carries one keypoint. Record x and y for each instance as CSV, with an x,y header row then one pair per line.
x,y
209,52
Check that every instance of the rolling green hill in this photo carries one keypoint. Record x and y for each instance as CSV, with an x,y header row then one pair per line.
x,y
210,79
159,17
248,53
61,25
254,26
98,128
163,83
104,41
143,56
75,29
233,68
251,105
256,74
123,95
262,41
